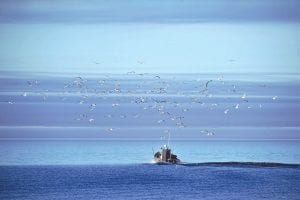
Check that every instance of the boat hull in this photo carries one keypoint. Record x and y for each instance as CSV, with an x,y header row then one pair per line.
x,y
170,162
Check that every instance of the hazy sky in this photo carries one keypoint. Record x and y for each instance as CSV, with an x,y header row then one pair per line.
x,y
150,36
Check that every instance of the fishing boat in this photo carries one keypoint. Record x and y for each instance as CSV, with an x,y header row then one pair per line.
x,y
165,156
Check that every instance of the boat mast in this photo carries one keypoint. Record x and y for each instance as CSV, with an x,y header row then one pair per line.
x,y
169,139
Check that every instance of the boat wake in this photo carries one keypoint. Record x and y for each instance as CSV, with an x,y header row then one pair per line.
x,y
239,164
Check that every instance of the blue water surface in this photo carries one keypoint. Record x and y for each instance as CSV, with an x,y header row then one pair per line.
x,y
149,181
91,152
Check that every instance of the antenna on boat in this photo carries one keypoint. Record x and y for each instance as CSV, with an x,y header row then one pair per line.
x,y
169,139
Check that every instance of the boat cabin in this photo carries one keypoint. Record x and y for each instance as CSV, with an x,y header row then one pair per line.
x,y
165,156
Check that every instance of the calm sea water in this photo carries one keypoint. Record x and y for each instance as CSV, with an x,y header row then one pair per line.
x,y
123,170
149,181
76,152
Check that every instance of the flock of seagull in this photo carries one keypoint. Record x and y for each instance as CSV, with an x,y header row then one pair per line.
x,y
150,92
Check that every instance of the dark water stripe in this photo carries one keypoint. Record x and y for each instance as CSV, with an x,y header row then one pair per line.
x,y
237,164
214,164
